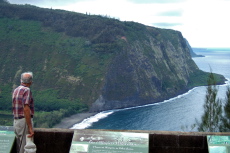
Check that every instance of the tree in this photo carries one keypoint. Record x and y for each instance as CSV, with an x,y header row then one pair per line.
x,y
211,119
226,119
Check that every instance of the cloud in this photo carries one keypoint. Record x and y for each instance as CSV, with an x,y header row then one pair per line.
x,y
156,1
208,25
171,13
166,24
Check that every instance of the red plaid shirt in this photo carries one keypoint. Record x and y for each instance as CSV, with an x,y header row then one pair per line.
x,y
21,96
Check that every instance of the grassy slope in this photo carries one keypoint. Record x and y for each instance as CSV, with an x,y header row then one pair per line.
x,y
21,43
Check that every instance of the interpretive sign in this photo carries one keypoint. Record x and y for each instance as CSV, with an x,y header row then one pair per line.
x,y
7,138
218,144
90,141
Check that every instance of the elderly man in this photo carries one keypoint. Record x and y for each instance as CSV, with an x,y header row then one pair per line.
x,y
23,111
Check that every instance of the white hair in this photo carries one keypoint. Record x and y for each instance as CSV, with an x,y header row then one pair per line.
x,y
26,78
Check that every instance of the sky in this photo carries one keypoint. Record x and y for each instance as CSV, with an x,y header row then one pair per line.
x,y
204,23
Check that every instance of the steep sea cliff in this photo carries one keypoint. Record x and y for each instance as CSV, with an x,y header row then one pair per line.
x,y
147,70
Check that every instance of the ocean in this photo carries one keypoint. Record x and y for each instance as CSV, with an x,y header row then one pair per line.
x,y
176,114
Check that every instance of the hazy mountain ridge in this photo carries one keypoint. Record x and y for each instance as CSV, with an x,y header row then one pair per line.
x,y
192,50
92,60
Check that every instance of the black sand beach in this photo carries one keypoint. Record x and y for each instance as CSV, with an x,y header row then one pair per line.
x,y
68,122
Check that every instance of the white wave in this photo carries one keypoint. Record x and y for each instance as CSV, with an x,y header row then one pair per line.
x,y
179,96
89,121
156,103
227,82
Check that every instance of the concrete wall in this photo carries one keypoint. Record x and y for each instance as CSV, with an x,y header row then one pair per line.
x,y
59,141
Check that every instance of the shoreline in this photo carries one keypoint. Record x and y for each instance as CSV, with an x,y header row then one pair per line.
x,y
68,122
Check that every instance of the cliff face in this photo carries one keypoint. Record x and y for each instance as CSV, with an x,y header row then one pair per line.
x,y
145,71
81,60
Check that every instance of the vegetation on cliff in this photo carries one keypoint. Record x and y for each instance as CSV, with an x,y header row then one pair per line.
x,y
89,62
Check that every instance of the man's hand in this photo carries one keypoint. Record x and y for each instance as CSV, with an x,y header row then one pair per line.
x,y
31,132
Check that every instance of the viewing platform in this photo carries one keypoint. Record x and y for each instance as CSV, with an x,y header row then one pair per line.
x,y
55,140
